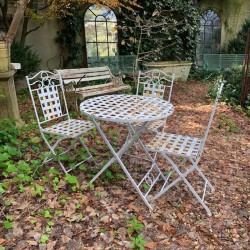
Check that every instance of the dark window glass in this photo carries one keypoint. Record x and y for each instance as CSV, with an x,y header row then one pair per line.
x,y
210,35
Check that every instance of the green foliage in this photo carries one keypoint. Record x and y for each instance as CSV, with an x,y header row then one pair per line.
x,y
71,50
134,226
44,238
29,60
228,124
139,242
14,143
203,75
232,87
238,44
8,222
174,41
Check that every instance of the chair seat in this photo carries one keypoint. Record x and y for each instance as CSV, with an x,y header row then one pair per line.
x,y
154,125
71,128
178,145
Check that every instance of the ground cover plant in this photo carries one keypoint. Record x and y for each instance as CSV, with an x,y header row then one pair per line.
x,y
41,208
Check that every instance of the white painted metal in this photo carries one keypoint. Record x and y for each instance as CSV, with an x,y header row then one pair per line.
x,y
47,94
186,148
158,84
127,109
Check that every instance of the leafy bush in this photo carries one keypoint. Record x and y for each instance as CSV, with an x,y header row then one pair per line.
x,y
232,88
29,60
15,143
237,45
203,75
176,41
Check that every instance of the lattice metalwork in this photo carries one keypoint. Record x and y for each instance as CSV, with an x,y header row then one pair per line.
x,y
187,149
47,93
126,108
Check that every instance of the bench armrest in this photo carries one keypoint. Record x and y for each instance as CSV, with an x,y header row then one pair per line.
x,y
117,80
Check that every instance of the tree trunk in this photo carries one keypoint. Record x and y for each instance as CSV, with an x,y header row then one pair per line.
x,y
21,4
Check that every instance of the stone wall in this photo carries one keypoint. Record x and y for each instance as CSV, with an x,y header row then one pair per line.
x,y
232,14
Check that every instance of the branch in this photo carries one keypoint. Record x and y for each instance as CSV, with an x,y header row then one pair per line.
x,y
21,5
32,30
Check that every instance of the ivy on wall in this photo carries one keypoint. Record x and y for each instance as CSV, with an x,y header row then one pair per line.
x,y
177,42
71,28
174,42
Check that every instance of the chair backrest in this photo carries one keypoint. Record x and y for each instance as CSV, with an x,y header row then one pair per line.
x,y
154,83
211,117
47,94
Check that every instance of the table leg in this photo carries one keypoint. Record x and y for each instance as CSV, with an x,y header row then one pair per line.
x,y
117,157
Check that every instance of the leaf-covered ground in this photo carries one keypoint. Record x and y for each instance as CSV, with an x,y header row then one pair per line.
x,y
58,213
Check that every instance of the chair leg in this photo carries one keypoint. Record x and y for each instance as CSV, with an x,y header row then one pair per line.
x,y
182,176
87,150
53,147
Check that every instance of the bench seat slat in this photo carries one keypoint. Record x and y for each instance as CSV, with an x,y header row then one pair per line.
x,y
96,91
88,75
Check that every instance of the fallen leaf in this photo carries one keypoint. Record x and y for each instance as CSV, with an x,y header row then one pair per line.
x,y
65,239
2,241
151,245
51,245
32,242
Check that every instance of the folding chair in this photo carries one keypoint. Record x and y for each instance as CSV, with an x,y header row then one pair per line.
x,y
187,150
154,83
47,94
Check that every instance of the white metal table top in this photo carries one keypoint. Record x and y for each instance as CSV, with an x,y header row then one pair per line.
x,y
126,108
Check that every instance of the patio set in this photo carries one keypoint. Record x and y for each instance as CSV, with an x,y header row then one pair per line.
x,y
147,110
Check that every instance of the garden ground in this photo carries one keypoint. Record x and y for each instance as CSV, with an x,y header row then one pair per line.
x,y
55,213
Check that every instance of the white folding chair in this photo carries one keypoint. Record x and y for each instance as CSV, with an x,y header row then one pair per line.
x,y
47,94
158,84
183,149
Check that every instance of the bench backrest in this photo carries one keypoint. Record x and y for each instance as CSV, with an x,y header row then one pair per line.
x,y
84,74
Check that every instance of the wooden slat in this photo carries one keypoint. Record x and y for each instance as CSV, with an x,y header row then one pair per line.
x,y
94,92
88,75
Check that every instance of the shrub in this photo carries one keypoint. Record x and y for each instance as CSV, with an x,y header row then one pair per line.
x,y
232,88
28,59
176,41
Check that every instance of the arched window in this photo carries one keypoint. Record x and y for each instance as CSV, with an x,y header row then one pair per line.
x,y
210,34
100,32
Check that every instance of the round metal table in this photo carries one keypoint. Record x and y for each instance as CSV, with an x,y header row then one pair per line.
x,y
127,109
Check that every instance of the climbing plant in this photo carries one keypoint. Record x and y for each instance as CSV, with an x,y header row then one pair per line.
x,y
172,29
71,49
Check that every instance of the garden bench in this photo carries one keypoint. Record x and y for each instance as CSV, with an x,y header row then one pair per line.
x,y
87,82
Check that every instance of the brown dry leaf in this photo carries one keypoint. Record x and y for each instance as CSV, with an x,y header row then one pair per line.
x,y
17,230
122,232
23,205
84,200
37,236
70,209
53,203
65,239
2,241
51,245
151,245
140,218
133,208
32,242
105,219
115,217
